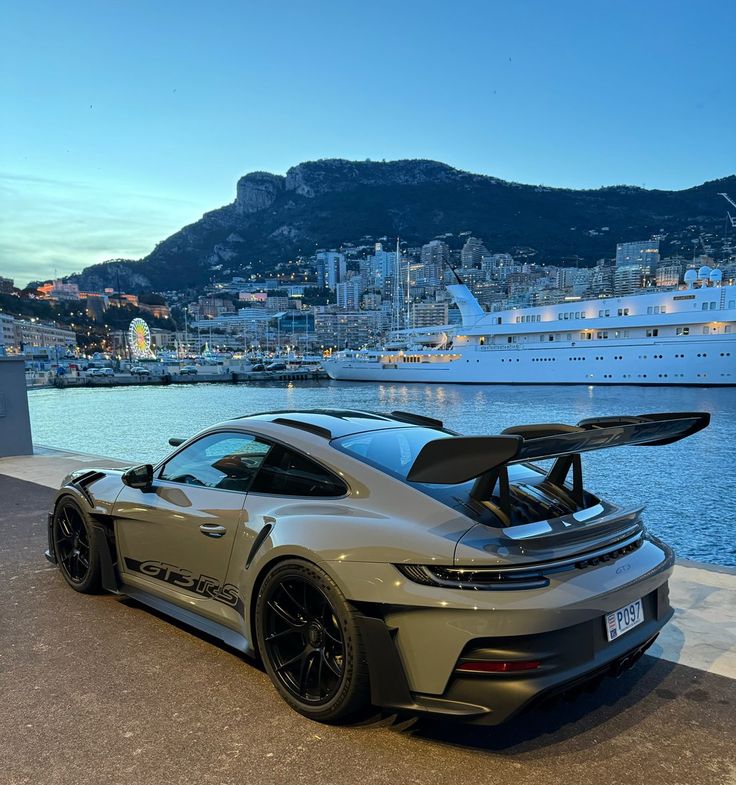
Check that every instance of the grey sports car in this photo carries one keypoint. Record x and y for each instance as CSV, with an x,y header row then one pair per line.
x,y
384,559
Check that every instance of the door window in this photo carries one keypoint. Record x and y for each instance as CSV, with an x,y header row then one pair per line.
x,y
288,473
227,461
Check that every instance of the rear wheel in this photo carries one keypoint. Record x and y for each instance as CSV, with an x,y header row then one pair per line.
x,y
74,547
310,643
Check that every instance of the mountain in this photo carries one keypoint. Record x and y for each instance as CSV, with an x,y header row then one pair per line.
x,y
323,204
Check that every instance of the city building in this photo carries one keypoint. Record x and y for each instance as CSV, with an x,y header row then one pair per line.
x,y
641,252
434,257
499,266
669,273
6,285
331,268
349,293
7,332
428,314
472,253
157,311
628,278
58,290
348,329
29,334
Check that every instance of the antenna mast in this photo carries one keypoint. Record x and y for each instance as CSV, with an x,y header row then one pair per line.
x,y
408,294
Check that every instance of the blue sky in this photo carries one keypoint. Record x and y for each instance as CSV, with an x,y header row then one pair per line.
x,y
123,121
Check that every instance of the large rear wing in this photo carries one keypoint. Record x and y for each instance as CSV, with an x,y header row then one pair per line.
x,y
486,458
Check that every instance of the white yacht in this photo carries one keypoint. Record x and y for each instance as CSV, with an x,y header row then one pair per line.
x,y
674,337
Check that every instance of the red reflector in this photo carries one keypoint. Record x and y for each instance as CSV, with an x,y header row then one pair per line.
x,y
498,666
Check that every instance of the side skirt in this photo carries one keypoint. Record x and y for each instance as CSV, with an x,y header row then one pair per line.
x,y
209,627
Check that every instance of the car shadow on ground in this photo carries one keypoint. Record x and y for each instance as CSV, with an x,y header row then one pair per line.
x,y
589,718
617,704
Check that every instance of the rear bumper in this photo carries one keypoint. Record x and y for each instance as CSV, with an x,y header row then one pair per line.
x,y
570,658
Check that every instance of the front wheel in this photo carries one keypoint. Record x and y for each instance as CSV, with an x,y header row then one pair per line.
x,y
310,643
74,547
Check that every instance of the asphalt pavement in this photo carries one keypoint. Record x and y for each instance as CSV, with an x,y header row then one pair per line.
x,y
97,689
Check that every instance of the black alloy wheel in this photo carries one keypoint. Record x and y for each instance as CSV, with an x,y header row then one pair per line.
x,y
310,643
304,641
75,553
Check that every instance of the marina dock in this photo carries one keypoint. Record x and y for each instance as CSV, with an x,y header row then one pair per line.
x,y
229,377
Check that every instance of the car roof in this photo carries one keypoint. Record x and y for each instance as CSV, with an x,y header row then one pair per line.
x,y
334,423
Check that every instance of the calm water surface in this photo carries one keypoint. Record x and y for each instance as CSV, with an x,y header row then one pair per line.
x,y
689,488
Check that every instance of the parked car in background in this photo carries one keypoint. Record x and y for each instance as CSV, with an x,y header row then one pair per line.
x,y
100,372
188,370
140,370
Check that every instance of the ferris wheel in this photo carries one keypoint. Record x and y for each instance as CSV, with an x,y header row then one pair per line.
x,y
139,339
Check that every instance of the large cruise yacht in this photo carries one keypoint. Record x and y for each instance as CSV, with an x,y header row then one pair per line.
x,y
673,337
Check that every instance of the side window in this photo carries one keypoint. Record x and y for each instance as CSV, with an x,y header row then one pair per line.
x,y
227,461
288,473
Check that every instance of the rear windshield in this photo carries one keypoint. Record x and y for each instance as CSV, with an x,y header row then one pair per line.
x,y
392,450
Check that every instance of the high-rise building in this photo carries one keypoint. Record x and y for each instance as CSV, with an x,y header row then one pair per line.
x,y
473,251
642,252
428,314
349,292
6,285
628,278
435,256
331,268
382,265
499,266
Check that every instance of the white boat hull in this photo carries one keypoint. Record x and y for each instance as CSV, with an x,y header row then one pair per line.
x,y
707,362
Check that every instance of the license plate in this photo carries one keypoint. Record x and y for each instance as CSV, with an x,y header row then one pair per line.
x,y
624,619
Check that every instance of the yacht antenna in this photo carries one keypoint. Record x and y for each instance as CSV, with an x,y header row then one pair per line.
x,y
408,295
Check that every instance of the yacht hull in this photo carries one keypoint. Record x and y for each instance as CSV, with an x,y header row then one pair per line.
x,y
707,362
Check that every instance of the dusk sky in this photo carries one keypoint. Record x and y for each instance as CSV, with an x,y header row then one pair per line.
x,y
122,122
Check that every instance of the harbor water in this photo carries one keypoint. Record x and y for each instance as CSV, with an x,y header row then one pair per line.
x,y
688,488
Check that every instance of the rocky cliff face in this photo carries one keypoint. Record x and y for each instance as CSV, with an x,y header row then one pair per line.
x,y
257,191
327,203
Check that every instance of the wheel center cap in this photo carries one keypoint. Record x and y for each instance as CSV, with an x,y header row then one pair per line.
x,y
315,634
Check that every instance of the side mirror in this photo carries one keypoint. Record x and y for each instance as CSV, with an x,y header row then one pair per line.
x,y
139,477
175,441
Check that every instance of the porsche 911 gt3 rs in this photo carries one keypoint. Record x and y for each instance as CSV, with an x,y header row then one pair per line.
x,y
382,558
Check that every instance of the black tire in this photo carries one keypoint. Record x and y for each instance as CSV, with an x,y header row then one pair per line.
x,y
310,643
75,549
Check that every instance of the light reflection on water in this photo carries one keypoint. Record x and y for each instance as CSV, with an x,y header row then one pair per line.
x,y
688,487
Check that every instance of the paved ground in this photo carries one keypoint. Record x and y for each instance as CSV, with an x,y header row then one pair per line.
x,y
100,690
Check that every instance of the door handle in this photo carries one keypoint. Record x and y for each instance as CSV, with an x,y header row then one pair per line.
x,y
212,530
